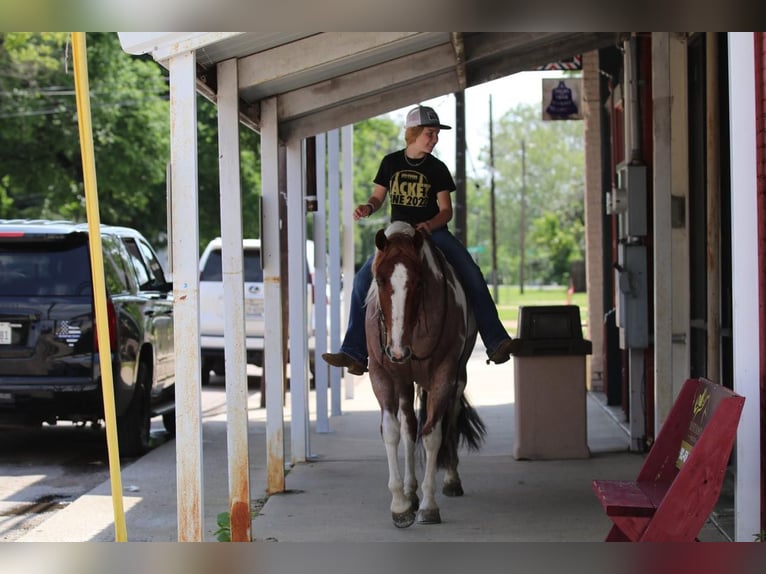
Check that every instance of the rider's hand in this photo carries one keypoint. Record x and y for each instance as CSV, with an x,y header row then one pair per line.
x,y
362,210
424,227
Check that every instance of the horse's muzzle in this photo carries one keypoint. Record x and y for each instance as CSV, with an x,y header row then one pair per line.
x,y
399,358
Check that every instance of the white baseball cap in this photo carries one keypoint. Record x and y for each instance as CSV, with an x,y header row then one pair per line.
x,y
423,116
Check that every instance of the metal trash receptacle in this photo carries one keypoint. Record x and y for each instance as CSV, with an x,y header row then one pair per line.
x,y
549,384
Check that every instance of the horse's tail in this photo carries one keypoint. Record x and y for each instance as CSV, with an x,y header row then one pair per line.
x,y
471,427
460,427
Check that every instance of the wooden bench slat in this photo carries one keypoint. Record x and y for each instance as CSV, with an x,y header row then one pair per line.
x,y
630,497
654,491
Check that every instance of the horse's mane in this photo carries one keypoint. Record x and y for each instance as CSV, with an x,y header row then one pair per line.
x,y
400,227
372,296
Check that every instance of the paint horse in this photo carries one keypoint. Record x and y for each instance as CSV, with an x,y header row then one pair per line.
x,y
420,333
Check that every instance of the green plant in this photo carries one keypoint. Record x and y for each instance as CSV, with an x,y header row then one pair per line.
x,y
223,520
223,534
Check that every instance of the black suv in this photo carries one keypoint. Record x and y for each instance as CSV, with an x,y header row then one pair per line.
x,y
49,362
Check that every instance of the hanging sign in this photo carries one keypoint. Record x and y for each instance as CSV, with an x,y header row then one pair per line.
x,y
562,99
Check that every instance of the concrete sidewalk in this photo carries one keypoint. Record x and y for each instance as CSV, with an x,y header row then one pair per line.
x,y
340,495
343,495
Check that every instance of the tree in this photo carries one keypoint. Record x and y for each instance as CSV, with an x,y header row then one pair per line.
x,y
553,190
553,247
209,198
40,160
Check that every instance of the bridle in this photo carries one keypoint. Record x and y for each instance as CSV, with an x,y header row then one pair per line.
x,y
383,333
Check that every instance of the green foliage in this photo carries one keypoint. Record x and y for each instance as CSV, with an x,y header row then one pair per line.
x,y
208,175
41,172
40,159
223,521
6,203
553,246
549,177
373,139
510,298
41,166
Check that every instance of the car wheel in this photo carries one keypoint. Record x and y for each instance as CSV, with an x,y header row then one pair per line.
x,y
169,421
133,427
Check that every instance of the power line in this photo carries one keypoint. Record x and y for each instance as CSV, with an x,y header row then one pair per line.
x,y
71,109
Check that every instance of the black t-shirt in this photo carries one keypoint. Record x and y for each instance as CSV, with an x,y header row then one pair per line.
x,y
412,188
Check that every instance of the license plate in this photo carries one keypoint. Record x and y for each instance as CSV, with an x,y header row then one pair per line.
x,y
253,307
6,398
5,333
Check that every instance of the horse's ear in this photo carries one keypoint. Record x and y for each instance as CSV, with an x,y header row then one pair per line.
x,y
381,240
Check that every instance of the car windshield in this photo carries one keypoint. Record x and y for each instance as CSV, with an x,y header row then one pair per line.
x,y
213,270
45,268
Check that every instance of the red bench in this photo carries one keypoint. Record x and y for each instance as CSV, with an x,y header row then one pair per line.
x,y
680,481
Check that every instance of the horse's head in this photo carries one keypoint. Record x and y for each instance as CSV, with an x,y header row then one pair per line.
x,y
398,274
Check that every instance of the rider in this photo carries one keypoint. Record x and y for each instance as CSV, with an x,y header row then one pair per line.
x,y
419,185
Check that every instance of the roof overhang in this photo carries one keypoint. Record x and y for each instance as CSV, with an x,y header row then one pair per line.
x,y
326,80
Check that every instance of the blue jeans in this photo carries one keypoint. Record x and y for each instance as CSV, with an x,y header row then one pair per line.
x,y
491,329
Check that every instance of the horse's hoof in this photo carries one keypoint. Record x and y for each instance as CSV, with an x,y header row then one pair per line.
x,y
403,519
429,516
452,489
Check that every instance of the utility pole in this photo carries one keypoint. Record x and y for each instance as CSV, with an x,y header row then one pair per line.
x,y
523,218
492,202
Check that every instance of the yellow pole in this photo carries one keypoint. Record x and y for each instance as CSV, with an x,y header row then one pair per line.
x,y
82,94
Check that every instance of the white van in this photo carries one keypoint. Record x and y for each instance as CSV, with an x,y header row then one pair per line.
x,y
212,305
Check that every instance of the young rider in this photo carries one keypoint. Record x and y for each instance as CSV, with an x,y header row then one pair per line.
x,y
419,185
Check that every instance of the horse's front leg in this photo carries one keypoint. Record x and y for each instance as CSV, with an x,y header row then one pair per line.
x,y
409,430
428,513
402,511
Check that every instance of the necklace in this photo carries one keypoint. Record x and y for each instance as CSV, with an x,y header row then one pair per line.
x,y
416,163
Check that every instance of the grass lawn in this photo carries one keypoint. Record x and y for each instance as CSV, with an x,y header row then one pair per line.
x,y
510,299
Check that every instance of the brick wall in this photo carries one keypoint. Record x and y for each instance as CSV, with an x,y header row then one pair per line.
x,y
594,205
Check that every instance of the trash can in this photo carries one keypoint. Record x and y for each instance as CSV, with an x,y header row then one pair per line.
x,y
549,384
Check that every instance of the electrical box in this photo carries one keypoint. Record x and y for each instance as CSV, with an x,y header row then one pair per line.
x,y
632,300
628,201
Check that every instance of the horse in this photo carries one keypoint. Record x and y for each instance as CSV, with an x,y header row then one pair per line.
x,y
420,334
